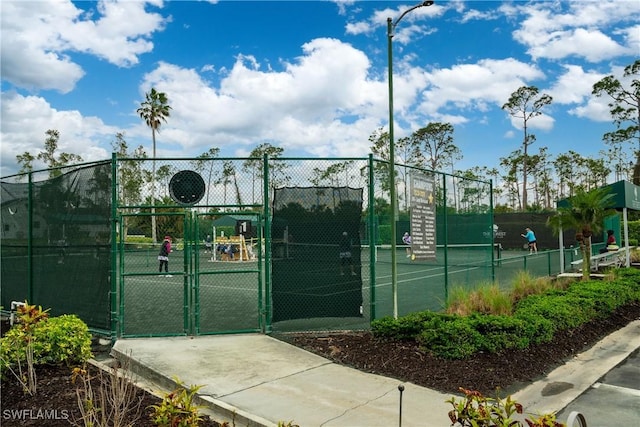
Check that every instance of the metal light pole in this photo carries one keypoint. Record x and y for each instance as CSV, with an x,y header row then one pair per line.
x,y
391,25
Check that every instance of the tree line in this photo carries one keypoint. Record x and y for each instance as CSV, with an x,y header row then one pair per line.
x,y
528,180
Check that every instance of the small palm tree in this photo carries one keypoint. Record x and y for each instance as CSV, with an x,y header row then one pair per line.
x,y
154,110
584,212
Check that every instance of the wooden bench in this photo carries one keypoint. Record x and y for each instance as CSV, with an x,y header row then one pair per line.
x,y
615,258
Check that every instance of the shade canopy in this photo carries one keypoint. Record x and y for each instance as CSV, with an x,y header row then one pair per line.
x,y
626,195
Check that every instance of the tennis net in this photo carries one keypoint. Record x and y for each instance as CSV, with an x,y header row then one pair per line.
x,y
458,254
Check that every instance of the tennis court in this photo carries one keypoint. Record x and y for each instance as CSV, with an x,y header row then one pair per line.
x,y
201,295
120,290
321,289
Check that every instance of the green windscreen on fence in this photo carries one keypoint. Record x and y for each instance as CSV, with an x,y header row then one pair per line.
x,y
59,225
316,256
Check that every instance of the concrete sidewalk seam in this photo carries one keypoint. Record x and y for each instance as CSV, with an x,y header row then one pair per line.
x,y
355,407
273,380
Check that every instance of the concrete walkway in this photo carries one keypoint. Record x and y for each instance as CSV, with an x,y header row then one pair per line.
x,y
256,380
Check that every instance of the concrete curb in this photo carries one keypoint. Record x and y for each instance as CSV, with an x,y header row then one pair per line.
x,y
567,382
270,379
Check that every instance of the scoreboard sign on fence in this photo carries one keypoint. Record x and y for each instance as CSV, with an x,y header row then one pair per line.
x,y
243,228
422,202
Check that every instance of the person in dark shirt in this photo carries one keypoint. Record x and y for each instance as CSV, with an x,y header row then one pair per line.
x,y
345,254
163,256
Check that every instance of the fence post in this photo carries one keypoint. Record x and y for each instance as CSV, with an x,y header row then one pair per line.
x,y
267,243
372,242
114,248
445,237
30,237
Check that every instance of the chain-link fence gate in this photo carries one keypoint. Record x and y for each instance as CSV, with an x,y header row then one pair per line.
x,y
200,282
211,279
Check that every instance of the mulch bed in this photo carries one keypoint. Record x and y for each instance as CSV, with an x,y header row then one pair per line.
x,y
508,371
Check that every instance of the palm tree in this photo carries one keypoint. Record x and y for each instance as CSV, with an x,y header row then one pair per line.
x,y
154,110
584,212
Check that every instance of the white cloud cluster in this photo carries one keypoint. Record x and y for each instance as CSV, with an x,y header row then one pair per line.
x,y
324,102
39,37
549,33
25,119
314,103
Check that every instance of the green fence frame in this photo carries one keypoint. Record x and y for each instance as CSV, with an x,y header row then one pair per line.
x,y
545,263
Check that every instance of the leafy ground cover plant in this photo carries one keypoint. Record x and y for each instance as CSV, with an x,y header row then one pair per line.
x,y
477,410
28,316
177,408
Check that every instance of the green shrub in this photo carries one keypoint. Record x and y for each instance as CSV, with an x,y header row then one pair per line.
x,y
451,338
565,311
403,328
604,297
228,230
634,232
537,329
62,339
501,332
535,319
138,239
629,278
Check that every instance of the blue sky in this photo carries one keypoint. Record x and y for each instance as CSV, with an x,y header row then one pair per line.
x,y
308,76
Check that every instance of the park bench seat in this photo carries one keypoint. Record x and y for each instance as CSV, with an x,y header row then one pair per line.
x,y
615,258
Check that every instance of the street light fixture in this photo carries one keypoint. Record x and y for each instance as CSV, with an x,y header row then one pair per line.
x,y
391,25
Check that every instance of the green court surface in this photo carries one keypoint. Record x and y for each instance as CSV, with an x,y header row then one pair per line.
x,y
197,295
207,296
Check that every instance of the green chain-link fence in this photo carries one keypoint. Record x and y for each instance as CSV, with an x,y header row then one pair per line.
x,y
257,244
56,241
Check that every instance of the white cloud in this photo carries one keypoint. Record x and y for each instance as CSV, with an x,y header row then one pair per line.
x,y
359,28
38,36
592,45
25,119
120,35
415,22
574,86
597,108
549,33
472,86
542,122
323,103
632,37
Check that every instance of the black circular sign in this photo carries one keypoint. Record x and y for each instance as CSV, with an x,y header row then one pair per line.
x,y
186,187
